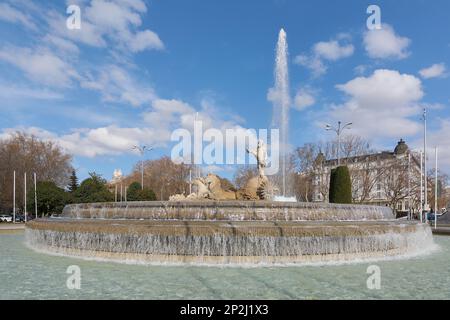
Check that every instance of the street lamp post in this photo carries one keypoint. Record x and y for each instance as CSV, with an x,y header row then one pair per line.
x,y
409,186
338,131
425,182
142,150
25,195
35,195
14,198
421,187
436,188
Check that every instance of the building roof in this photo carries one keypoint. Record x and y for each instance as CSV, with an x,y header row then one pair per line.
x,y
400,149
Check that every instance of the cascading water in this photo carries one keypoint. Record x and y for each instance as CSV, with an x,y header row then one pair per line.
x,y
229,232
281,101
228,242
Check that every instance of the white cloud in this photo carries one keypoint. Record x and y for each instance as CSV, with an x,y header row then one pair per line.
x,y
170,114
385,43
304,98
145,40
65,46
153,128
381,105
110,15
22,92
167,115
360,69
332,50
313,63
115,84
40,65
89,34
438,136
10,14
437,70
113,25
38,132
109,23
110,140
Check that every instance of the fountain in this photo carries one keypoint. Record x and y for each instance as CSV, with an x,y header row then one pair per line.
x,y
281,101
217,226
228,232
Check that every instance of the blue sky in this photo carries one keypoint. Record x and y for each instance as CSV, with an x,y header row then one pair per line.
x,y
139,69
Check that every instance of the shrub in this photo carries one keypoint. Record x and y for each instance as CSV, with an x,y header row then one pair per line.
x,y
340,185
93,189
50,198
136,193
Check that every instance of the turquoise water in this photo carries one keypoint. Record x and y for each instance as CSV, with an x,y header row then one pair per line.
x,y
25,274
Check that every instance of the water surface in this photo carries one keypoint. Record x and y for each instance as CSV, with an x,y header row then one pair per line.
x,y
25,274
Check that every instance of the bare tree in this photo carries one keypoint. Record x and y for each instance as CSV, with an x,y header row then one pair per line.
x,y
311,174
25,153
395,182
305,163
442,196
163,176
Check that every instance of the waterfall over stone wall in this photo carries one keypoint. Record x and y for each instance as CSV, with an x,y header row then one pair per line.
x,y
227,232
228,210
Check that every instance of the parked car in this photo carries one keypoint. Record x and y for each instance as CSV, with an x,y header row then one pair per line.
x,y
6,218
20,218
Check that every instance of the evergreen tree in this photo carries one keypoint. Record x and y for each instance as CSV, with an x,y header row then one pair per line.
x,y
135,193
73,185
340,185
93,189
50,198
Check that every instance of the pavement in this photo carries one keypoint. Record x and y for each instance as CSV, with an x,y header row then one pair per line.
x,y
445,218
6,227
442,229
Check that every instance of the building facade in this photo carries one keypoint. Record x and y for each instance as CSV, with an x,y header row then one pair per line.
x,y
388,178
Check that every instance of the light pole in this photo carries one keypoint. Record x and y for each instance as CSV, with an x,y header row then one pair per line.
x,y
142,150
14,197
436,188
338,131
25,195
421,187
409,186
425,202
35,195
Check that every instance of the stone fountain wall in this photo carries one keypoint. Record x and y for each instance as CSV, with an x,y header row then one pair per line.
x,y
234,232
227,242
228,210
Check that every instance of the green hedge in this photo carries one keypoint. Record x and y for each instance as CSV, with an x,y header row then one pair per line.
x,y
340,185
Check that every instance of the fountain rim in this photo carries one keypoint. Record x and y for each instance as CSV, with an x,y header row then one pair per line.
x,y
224,204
